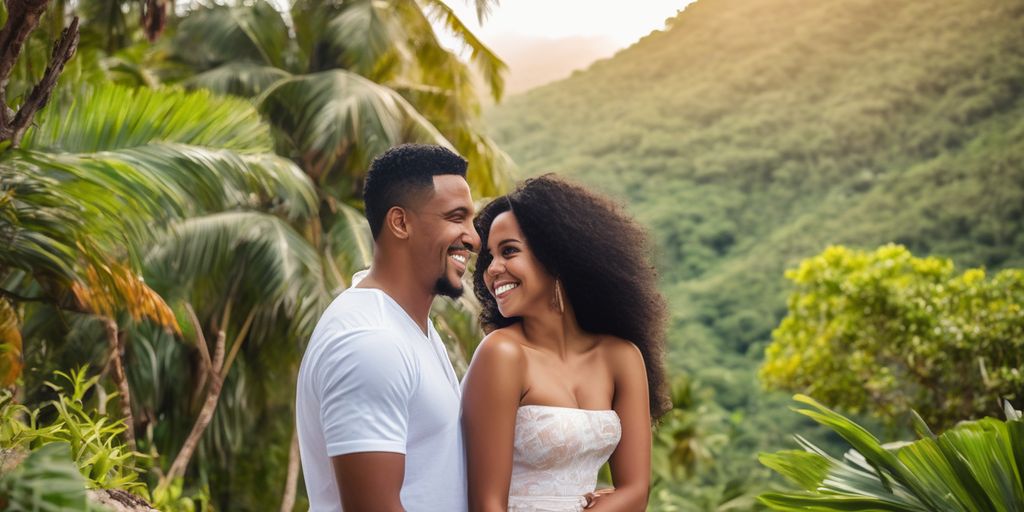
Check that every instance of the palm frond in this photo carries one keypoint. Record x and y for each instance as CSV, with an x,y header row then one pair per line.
x,y
158,182
268,264
349,243
483,9
213,36
490,66
338,116
37,229
110,288
367,38
237,78
115,117
458,323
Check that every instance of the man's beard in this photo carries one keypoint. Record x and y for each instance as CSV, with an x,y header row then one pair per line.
x,y
445,288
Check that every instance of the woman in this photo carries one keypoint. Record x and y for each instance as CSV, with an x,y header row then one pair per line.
x,y
570,372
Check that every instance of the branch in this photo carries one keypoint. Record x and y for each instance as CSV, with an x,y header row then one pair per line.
x,y
154,18
22,18
40,94
200,339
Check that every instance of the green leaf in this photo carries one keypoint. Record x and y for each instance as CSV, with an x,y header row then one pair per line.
x,y
803,468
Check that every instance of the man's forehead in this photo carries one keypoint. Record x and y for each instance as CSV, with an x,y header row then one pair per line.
x,y
451,191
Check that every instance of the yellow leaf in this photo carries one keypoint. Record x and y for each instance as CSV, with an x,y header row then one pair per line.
x,y
109,289
10,345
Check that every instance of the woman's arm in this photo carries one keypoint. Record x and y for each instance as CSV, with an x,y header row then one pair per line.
x,y
631,460
490,399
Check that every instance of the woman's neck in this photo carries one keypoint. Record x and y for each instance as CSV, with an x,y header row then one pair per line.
x,y
556,331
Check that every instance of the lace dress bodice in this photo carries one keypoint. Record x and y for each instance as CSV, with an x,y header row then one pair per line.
x,y
558,452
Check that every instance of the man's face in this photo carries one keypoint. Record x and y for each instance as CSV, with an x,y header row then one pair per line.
x,y
443,235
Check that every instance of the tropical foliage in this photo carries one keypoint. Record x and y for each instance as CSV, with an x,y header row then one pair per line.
x,y
93,438
883,332
183,244
975,466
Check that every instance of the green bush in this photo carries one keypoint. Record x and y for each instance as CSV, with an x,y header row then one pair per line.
x,y
93,439
877,331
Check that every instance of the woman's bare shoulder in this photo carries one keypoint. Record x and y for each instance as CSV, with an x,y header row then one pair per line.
x,y
503,345
621,353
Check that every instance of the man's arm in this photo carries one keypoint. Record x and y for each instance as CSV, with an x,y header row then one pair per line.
x,y
365,391
370,481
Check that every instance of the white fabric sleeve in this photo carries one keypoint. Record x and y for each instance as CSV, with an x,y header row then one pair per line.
x,y
365,383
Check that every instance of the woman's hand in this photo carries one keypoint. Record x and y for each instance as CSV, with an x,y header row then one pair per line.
x,y
592,497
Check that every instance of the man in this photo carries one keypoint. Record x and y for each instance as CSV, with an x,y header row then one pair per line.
x,y
377,399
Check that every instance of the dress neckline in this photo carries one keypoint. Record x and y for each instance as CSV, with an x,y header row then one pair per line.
x,y
570,408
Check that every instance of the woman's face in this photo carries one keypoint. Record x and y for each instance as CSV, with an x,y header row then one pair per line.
x,y
516,280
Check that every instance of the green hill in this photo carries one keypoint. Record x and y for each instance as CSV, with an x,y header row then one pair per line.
x,y
750,134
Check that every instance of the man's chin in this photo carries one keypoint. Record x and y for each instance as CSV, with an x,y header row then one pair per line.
x,y
444,287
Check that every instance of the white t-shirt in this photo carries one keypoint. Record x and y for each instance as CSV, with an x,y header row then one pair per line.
x,y
371,381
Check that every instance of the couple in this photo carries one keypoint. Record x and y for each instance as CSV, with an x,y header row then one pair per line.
x,y
569,376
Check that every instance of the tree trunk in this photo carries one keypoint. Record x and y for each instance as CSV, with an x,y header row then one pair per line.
x,y
288,502
214,382
116,347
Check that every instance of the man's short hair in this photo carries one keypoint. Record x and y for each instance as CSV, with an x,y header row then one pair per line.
x,y
399,174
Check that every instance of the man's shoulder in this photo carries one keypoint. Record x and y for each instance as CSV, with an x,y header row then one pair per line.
x,y
356,310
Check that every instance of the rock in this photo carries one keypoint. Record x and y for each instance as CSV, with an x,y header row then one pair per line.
x,y
119,501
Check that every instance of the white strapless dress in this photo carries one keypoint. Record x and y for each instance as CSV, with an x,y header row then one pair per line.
x,y
557,455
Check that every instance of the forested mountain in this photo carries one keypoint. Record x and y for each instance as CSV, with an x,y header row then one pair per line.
x,y
750,134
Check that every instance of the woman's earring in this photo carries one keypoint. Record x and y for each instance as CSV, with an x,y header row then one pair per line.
x,y
558,296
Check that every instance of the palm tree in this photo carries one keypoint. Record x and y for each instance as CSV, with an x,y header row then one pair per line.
x,y
168,183
82,196
342,81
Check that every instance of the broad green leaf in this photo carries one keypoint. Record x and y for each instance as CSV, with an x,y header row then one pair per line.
x,y
803,468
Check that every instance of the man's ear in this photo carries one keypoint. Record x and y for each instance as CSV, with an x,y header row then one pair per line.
x,y
397,222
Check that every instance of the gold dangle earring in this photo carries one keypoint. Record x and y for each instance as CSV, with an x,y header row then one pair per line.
x,y
558,296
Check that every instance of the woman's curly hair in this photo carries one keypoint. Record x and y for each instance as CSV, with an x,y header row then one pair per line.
x,y
600,256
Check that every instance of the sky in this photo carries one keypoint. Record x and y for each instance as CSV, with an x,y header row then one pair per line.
x,y
621,22
545,40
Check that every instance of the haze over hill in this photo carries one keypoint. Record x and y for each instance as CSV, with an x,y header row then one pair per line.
x,y
753,133
537,61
